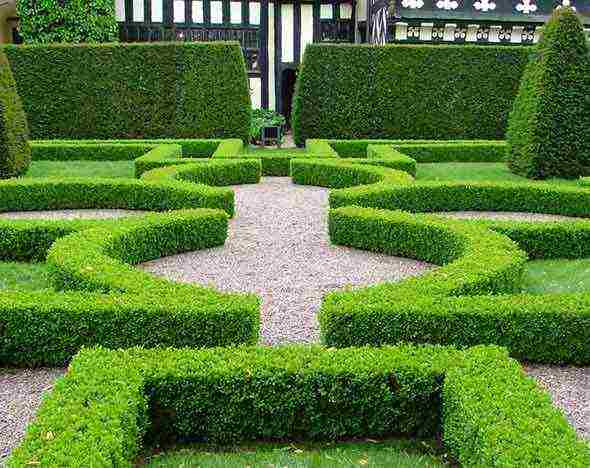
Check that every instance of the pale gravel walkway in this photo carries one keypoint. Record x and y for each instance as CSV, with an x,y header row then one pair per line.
x,y
570,390
20,396
278,247
71,214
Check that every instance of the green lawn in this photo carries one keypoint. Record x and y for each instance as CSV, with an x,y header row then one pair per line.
x,y
81,169
557,276
391,453
497,172
24,276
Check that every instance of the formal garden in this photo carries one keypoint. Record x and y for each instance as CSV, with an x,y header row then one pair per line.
x,y
409,286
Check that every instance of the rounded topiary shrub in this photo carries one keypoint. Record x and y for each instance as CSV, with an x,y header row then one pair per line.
x,y
549,127
72,21
15,152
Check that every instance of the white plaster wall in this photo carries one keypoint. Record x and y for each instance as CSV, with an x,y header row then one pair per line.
x,y
306,27
120,10
271,56
138,11
216,12
361,10
256,92
254,12
198,12
235,12
157,11
287,38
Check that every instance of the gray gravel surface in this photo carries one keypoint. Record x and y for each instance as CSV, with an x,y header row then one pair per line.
x,y
278,247
71,214
505,216
20,396
570,391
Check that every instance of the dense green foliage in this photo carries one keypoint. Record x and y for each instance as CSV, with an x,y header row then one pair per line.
x,y
262,118
72,21
94,257
549,130
157,90
485,408
15,151
401,91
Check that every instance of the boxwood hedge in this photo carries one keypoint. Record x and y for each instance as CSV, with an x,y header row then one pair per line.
x,y
487,412
453,305
406,91
155,90
103,300
15,151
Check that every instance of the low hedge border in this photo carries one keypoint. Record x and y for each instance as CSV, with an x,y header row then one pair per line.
x,y
117,305
487,411
553,328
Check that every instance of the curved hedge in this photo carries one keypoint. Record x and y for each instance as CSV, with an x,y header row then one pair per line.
x,y
406,91
15,151
149,90
105,300
487,412
453,305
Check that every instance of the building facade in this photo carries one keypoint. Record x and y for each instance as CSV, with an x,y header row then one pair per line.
x,y
273,34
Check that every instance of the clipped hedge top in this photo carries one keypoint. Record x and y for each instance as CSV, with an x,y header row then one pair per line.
x,y
491,412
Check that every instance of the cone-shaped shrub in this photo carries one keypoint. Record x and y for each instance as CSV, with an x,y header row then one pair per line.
x,y
15,152
549,127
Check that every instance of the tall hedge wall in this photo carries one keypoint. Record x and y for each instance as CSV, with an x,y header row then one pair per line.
x,y
157,90
410,92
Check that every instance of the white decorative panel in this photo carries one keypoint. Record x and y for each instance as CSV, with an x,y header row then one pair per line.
x,y
361,10
256,92
516,36
179,16
198,12
138,10
306,26
426,31
472,33
254,13
120,10
217,12
287,38
495,33
235,12
401,31
327,11
157,11
345,10
449,33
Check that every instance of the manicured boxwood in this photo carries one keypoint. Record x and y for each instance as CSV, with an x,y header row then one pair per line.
x,y
72,21
155,90
549,129
115,150
487,411
116,305
406,91
15,152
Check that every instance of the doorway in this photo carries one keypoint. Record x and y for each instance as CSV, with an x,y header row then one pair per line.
x,y
288,78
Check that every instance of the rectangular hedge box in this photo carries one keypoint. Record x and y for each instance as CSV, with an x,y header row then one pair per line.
x,y
487,411
155,90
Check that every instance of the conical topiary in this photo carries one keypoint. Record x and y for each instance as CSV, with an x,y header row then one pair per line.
x,y
549,127
15,151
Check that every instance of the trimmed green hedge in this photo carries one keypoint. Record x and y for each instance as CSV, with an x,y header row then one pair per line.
x,y
117,305
72,21
15,151
488,412
549,129
156,90
406,91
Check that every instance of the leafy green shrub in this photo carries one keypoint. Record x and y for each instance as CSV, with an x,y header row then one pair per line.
x,y
549,130
406,91
264,118
105,300
15,152
157,90
72,21
488,409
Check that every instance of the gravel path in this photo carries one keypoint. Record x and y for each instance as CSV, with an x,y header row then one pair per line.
x,y
505,216
20,396
278,248
71,214
570,390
